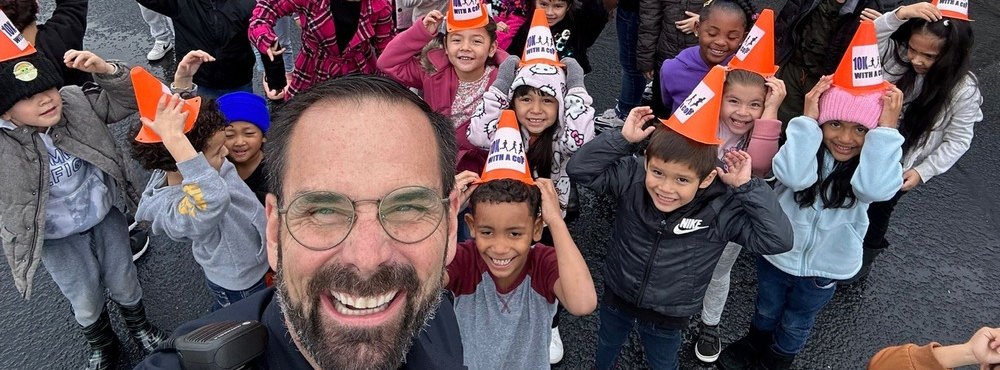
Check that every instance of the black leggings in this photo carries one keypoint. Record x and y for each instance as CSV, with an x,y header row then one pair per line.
x,y
879,214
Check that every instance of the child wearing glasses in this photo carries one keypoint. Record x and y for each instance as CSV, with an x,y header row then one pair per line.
x,y
195,194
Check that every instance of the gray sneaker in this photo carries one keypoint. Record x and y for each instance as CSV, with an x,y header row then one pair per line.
x,y
159,50
608,121
709,344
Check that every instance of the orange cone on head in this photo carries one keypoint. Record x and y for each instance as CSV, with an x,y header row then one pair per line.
x,y
466,15
757,52
540,46
957,9
508,158
698,116
860,70
148,90
13,45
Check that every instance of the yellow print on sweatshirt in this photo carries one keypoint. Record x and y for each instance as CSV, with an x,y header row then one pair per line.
x,y
193,202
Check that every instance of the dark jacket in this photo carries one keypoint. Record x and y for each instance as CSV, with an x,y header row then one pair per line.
x,y
218,27
438,346
573,35
62,32
659,38
664,261
789,23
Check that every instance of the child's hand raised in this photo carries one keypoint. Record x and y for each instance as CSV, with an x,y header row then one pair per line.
x,y
892,106
923,10
188,66
738,162
464,186
169,121
88,62
432,21
632,130
775,95
811,108
551,212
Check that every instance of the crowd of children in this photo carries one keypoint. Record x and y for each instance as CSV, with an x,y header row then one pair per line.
x,y
800,165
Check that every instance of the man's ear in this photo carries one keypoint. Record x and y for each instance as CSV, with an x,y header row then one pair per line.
x,y
452,215
271,231
708,179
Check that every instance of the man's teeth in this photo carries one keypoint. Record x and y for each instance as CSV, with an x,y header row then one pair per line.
x,y
501,262
357,306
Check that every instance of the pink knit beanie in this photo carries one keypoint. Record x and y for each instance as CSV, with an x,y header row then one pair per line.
x,y
837,104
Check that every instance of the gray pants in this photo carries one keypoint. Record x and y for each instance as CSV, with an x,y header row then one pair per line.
x,y
84,264
718,289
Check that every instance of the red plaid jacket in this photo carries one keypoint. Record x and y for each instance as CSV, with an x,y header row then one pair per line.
x,y
321,59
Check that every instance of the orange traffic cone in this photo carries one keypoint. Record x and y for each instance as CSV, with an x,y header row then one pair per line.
x,y
148,90
13,45
466,15
540,47
757,52
957,9
698,116
508,158
860,70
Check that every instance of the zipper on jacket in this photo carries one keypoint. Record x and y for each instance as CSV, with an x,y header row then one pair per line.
x,y
810,242
649,263
34,233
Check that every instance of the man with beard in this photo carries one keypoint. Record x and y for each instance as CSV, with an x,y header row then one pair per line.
x,y
360,227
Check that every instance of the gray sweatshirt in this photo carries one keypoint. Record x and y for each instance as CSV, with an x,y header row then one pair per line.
x,y
217,213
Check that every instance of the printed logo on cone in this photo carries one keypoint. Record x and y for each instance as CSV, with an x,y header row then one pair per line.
x,y
756,54
957,9
540,47
148,90
13,44
697,118
466,15
508,156
860,70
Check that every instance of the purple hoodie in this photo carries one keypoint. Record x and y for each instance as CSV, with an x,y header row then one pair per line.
x,y
679,76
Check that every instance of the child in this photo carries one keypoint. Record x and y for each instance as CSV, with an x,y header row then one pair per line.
x,y
632,82
658,37
61,165
509,15
927,56
194,194
826,197
721,28
575,24
339,37
672,224
464,68
247,123
982,349
747,121
506,286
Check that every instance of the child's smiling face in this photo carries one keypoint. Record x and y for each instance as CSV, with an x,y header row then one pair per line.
x,y
536,112
843,139
244,140
42,110
504,234
468,51
719,35
741,105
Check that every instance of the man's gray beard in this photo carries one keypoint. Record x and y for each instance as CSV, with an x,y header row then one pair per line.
x,y
336,347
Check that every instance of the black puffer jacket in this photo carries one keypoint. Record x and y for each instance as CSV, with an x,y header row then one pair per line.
x,y
664,261
659,38
788,27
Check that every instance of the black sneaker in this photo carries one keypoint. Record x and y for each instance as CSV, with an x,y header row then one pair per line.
x,y
138,241
709,345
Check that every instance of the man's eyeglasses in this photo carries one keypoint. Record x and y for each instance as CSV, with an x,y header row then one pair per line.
x,y
322,220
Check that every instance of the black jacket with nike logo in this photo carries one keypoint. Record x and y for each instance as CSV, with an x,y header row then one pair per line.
x,y
664,261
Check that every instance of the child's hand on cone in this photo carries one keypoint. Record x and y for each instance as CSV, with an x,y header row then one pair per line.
x,y
738,163
551,212
464,186
432,21
88,62
170,117
632,130
922,10
775,95
811,109
892,106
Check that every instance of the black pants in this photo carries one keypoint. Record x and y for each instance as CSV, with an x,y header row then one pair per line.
x,y
879,214
661,110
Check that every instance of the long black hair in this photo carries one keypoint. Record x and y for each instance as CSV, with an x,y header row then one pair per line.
x,y
835,189
540,152
947,72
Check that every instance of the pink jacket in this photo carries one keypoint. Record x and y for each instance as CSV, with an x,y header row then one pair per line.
x,y
401,62
763,145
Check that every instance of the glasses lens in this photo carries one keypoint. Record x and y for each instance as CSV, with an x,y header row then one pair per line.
x,y
320,220
411,214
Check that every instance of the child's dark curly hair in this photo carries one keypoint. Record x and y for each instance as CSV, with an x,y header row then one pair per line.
x,y
744,7
154,156
507,191
22,13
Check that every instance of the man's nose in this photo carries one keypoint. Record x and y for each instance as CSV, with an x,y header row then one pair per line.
x,y
367,246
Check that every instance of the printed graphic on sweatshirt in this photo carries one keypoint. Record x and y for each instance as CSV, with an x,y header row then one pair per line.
x,y
193,201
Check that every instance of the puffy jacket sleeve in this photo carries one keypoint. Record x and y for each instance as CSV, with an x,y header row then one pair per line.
x,y
880,173
68,23
400,60
578,121
483,123
795,164
199,211
265,14
757,221
906,357
650,18
965,109
605,165
763,145
115,99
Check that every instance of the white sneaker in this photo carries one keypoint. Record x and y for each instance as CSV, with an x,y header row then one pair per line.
x,y
555,347
159,50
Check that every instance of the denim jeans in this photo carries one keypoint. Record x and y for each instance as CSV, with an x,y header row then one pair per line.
x,y
633,83
661,345
788,305
225,297
212,93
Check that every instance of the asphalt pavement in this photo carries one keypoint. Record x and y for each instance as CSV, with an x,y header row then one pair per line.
x,y
937,282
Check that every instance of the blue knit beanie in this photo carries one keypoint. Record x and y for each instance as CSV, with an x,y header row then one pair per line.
x,y
244,106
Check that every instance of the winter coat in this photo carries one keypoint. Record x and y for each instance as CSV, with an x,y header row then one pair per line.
x,y
576,33
24,173
951,134
659,39
401,62
61,32
664,261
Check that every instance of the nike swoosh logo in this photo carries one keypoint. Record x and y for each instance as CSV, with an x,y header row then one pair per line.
x,y
679,231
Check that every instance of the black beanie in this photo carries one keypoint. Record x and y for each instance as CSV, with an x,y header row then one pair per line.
x,y
23,77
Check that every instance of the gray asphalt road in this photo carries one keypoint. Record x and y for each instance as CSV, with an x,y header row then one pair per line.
x,y
938,282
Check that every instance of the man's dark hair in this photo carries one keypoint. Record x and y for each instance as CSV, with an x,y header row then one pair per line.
x,y
507,191
154,156
669,146
22,13
355,89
